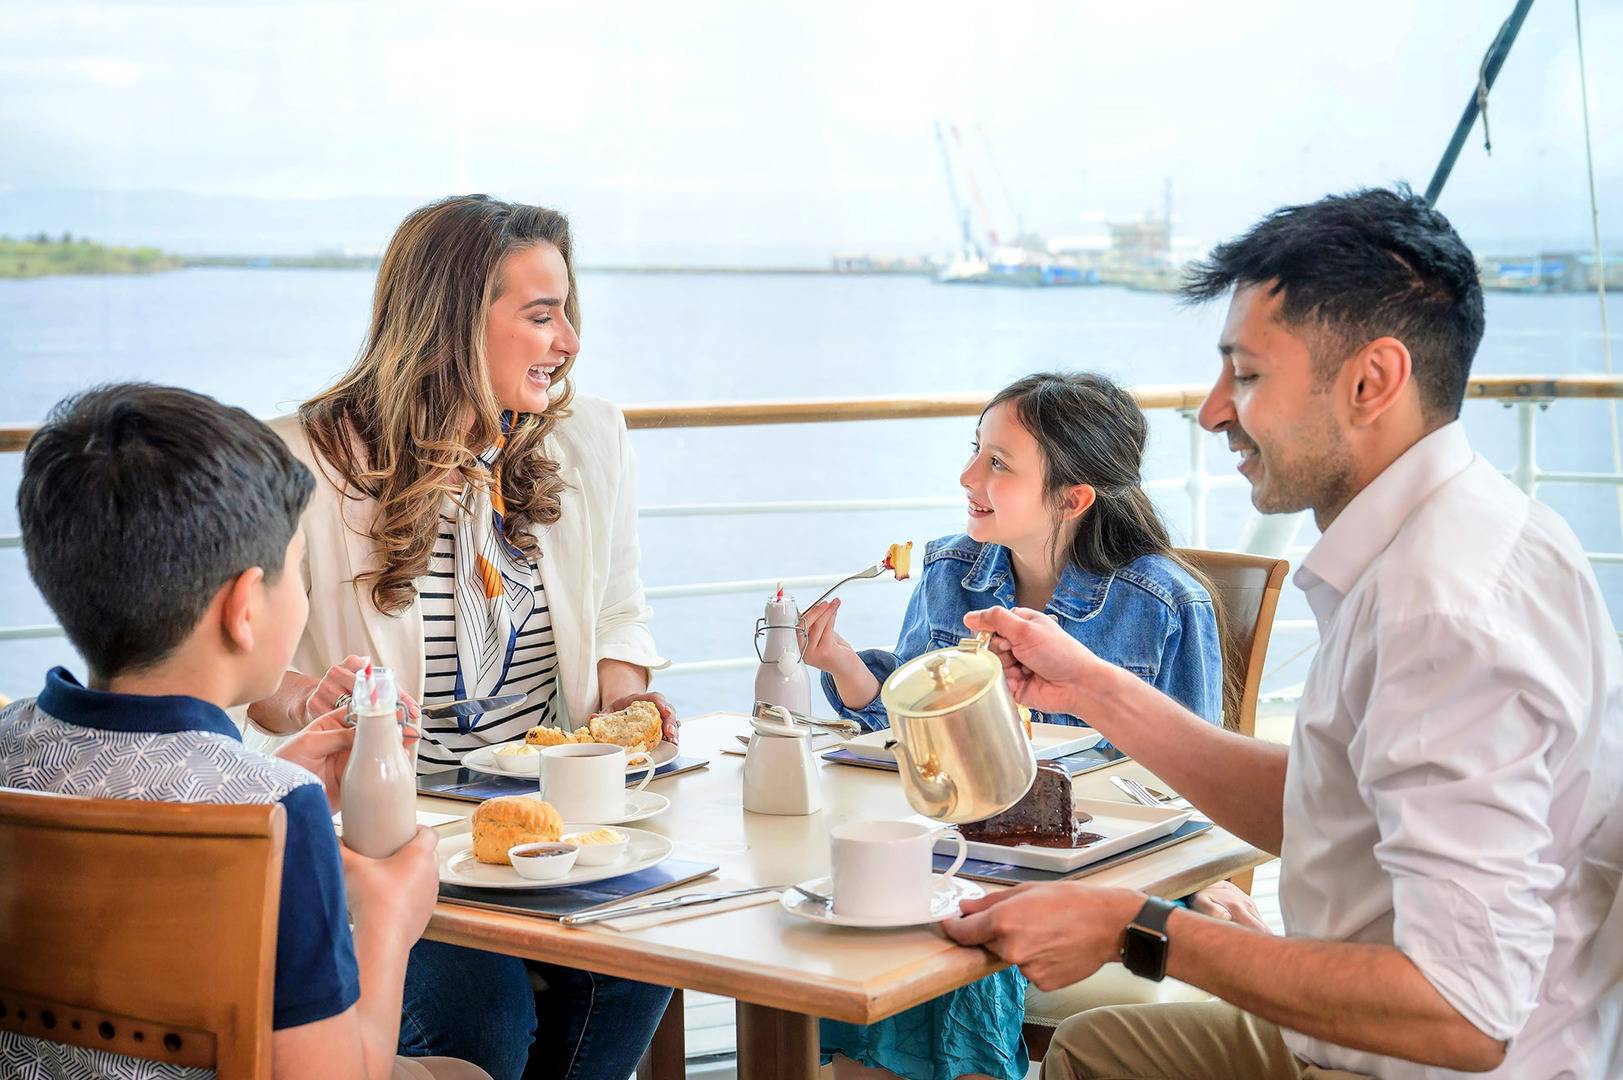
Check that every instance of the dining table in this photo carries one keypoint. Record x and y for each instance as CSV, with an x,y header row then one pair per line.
x,y
784,972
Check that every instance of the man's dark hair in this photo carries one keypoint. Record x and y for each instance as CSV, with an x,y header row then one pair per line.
x,y
138,503
1352,268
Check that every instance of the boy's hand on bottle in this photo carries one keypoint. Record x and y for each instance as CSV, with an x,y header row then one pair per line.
x,y
397,892
826,650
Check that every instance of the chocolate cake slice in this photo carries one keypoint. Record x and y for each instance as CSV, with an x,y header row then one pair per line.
x,y
1043,816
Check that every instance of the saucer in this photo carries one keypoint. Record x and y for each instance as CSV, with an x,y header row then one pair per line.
x,y
640,805
944,901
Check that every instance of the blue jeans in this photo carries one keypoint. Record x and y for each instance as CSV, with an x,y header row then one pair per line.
x,y
480,1007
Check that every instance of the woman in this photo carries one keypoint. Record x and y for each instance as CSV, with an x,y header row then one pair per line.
x,y
1058,522
476,531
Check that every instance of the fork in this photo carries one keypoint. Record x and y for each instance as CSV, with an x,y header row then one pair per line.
x,y
1138,792
872,572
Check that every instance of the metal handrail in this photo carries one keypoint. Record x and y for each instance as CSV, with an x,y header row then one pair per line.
x,y
1528,393
14,437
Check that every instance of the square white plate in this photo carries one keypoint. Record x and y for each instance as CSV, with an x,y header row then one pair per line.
x,y
1123,825
1049,740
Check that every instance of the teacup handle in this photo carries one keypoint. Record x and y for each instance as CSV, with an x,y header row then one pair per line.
x,y
648,774
963,851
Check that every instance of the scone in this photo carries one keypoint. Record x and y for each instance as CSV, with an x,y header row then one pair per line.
x,y
548,736
499,824
637,726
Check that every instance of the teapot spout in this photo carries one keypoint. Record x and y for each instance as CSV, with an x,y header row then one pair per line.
x,y
929,790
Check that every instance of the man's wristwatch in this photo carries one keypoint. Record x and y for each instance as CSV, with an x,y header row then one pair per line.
x,y
1144,952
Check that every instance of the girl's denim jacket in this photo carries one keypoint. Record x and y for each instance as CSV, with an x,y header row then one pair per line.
x,y
1150,617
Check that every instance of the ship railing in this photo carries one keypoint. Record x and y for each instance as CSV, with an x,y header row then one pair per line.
x,y
1528,395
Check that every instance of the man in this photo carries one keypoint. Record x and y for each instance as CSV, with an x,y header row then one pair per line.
x,y
1447,811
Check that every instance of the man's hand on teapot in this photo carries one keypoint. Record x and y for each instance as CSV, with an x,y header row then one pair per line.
x,y
1046,668
826,650
667,715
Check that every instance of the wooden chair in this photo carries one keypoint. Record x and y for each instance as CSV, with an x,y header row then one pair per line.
x,y
1250,587
141,928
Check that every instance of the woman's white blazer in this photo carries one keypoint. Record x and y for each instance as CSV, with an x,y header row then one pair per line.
x,y
588,566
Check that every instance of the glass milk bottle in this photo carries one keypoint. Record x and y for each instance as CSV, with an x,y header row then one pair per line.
x,y
380,787
780,643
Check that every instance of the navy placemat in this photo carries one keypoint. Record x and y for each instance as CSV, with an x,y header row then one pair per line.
x,y
1009,874
465,784
1096,757
556,903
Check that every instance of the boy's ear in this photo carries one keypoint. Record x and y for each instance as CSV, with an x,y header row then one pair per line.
x,y
1077,500
238,609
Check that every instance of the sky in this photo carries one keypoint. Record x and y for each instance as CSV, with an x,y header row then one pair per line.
x,y
760,131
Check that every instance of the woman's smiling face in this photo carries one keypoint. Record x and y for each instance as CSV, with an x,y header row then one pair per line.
x,y
527,334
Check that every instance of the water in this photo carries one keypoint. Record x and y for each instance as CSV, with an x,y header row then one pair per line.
x,y
266,339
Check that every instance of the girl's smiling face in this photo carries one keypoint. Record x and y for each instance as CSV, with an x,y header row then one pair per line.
x,y
1004,482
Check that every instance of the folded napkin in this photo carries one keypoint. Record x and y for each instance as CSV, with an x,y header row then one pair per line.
x,y
424,817
670,915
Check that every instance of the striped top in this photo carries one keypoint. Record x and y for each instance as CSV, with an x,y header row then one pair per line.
x,y
534,670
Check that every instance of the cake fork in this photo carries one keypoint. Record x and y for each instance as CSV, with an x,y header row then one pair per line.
x,y
872,572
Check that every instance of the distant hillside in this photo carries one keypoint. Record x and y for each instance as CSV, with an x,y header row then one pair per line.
x,y
41,255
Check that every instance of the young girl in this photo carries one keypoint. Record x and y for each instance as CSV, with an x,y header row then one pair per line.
x,y
1058,522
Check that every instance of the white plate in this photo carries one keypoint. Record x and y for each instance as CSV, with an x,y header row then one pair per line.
x,y
1123,825
943,904
459,867
1050,740
483,760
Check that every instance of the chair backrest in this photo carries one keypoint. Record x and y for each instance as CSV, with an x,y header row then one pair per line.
x,y
1250,586
141,928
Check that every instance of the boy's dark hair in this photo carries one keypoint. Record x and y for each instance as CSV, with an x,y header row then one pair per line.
x,y
1352,268
138,502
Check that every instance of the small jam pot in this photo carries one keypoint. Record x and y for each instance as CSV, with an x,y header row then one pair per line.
x,y
544,861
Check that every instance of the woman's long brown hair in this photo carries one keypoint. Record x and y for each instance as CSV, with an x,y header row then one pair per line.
x,y
406,424
1092,432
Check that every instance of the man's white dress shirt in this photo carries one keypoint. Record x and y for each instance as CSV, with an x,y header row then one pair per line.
x,y
1458,757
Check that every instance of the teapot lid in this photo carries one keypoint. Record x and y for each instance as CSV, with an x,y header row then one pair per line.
x,y
943,680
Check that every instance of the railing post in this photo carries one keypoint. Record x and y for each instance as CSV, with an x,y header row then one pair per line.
x,y
1527,472
1197,483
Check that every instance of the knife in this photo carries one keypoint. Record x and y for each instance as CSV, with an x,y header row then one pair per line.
x,y
690,900
468,709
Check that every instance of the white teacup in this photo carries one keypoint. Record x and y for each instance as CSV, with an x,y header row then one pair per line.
x,y
587,781
882,869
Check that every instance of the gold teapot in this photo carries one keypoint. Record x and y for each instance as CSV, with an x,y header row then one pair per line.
x,y
959,738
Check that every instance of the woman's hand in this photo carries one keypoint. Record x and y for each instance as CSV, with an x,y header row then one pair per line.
x,y
826,650
667,715
1227,901
335,686
323,747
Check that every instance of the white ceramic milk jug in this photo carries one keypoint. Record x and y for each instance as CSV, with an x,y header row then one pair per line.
x,y
779,774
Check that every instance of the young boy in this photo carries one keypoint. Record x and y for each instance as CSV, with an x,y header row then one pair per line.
x,y
161,527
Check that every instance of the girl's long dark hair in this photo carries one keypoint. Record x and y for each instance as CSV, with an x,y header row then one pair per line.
x,y
1092,432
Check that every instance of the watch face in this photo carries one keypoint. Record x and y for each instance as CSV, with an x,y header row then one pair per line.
x,y
1145,953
